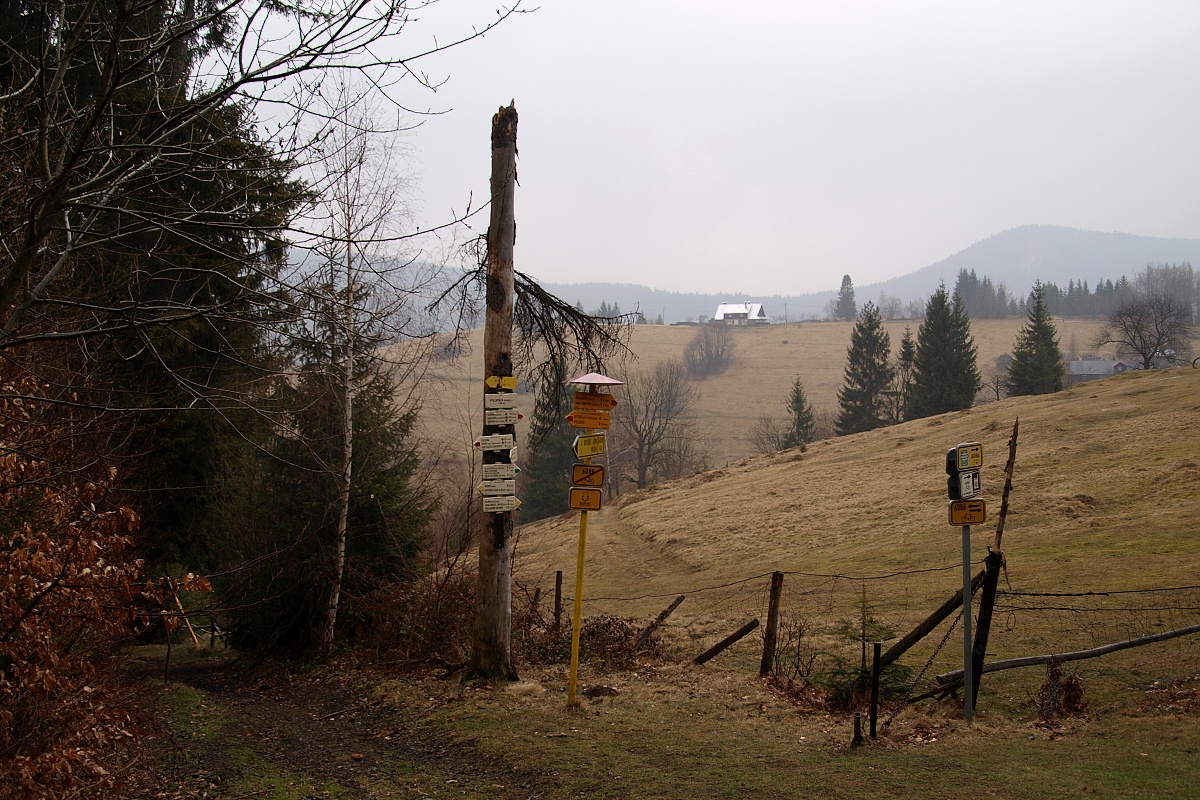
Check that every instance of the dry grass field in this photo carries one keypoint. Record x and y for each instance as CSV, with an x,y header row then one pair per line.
x,y
766,361
1106,498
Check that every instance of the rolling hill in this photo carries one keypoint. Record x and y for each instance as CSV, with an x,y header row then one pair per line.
x,y
1015,257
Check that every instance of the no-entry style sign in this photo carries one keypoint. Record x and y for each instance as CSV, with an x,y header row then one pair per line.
x,y
587,475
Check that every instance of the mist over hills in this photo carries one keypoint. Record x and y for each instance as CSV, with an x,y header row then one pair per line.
x,y
1016,258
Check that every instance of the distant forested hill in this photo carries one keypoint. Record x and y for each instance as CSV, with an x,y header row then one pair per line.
x,y
1016,258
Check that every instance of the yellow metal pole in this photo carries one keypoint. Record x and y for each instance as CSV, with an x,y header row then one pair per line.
x,y
577,619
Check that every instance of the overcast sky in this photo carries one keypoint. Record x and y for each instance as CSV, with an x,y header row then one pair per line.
x,y
769,147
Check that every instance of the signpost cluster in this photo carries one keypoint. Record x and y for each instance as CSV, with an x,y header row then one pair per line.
x,y
592,413
966,508
499,487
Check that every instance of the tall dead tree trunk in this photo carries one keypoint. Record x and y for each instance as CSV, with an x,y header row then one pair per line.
x,y
491,652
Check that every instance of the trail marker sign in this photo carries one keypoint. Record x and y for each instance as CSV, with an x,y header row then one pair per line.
x,y
587,475
500,472
968,512
592,401
506,382
497,505
583,499
588,446
596,420
499,400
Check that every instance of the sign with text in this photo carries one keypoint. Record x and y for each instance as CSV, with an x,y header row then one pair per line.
x,y
500,400
500,472
498,505
587,475
501,416
588,446
589,419
582,499
497,488
499,441
968,512
591,401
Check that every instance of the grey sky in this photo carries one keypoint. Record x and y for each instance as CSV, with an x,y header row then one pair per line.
x,y
770,147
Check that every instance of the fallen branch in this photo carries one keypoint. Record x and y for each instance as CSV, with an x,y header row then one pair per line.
x,y
948,678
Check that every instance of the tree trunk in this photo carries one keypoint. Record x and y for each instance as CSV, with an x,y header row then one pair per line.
x,y
491,655
339,559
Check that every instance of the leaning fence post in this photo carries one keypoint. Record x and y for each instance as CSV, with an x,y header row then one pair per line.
x,y
770,636
728,640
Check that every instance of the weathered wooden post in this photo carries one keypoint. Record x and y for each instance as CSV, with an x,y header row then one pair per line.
x,y
875,687
771,634
557,599
491,653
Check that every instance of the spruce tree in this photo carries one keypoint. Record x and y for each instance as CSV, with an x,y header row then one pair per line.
x,y
862,398
945,374
902,382
800,418
548,470
845,308
1037,363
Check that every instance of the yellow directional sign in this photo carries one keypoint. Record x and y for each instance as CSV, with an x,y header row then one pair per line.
x,y
969,455
588,446
506,382
587,475
581,499
594,402
589,419
968,512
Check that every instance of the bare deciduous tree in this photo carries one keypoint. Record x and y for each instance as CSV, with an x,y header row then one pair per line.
x,y
710,351
651,419
1152,325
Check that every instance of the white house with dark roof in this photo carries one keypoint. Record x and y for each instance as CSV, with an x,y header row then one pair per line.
x,y
740,314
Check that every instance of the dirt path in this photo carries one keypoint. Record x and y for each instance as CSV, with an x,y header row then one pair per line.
x,y
219,731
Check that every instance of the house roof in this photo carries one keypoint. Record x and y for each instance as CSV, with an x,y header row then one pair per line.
x,y
1092,367
751,310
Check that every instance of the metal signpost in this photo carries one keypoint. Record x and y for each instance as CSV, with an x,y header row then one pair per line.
x,y
963,485
591,411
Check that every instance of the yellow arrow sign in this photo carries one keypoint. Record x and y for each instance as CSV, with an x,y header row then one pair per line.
x,y
594,402
506,382
588,446
589,419
968,512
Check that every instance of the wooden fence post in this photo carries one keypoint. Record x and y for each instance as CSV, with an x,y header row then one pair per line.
x,y
659,620
557,599
987,602
875,687
771,634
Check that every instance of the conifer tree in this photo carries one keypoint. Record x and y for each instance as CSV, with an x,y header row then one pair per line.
x,y
862,398
800,418
548,471
945,374
902,381
1037,363
845,307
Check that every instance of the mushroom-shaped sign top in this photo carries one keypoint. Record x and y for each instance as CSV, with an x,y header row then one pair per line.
x,y
595,379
